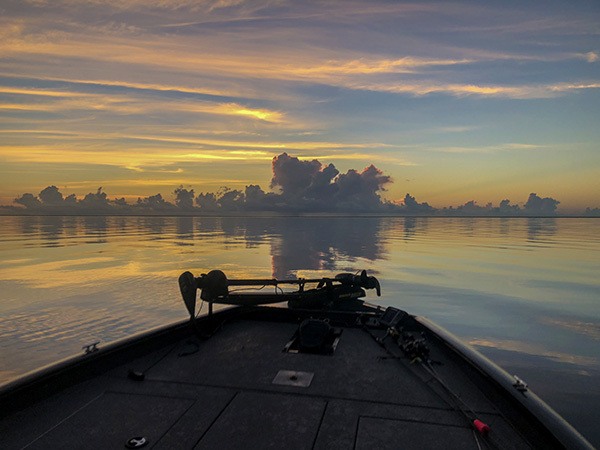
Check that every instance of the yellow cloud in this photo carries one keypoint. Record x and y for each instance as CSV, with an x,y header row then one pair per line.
x,y
259,114
39,92
162,87
126,104
107,149
224,62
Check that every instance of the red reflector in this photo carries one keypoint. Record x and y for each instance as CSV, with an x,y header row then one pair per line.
x,y
481,427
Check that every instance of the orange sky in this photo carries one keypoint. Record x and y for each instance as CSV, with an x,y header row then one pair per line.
x,y
455,102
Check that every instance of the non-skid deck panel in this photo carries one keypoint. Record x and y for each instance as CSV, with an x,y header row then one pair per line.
x,y
342,419
112,419
384,434
262,420
219,393
248,355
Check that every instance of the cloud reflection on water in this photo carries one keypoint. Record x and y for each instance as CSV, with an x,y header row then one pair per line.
x,y
535,350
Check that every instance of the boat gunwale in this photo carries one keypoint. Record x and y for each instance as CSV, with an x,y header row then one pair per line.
x,y
528,401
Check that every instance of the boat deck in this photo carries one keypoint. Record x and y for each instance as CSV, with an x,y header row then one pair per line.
x,y
239,389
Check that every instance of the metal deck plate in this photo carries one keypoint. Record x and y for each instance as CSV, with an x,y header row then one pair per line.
x,y
293,378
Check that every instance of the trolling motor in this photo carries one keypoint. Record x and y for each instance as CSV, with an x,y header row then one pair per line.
x,y
214,288
361,280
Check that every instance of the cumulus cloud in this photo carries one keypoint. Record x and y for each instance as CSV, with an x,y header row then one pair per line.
x,y
412,206
207,202
154,203
293,176
593,212
308,185
184,198
543,206
51,196
297,185
534,206
29,201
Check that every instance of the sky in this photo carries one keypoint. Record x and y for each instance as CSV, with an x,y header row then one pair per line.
x,y
454,101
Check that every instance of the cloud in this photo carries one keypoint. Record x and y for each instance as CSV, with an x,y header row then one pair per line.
x,y
411,206
528,91
312,186
543,206
298,186
591,57
506,147
29,201
242,67
184,198
52,100
304,186
293,176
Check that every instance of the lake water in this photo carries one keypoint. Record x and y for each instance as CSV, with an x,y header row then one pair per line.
x,y
523,291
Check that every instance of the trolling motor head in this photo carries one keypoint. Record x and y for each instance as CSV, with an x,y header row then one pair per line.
x,y
213,285
362,280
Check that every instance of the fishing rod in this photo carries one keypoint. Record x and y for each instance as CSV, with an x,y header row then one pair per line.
x,y
416,350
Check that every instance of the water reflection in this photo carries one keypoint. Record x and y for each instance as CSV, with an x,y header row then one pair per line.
x,y
295,243
28,225
410,225
324,244
541,228
208,226
95,229
51,230
184,231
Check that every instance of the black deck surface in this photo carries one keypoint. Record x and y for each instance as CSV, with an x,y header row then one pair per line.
x,y
219,393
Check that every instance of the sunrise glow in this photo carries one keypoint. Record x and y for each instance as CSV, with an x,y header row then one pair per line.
x,y
454,102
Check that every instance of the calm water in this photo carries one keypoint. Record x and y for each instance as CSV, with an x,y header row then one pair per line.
x,y
525,292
